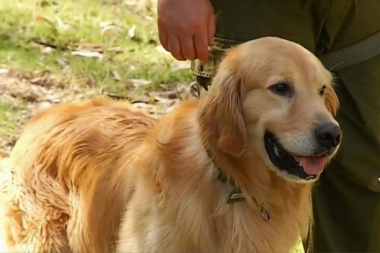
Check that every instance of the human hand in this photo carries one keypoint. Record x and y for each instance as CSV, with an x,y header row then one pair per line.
x,y
186,28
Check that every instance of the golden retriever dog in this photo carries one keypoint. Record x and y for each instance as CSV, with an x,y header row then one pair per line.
x,y
231,172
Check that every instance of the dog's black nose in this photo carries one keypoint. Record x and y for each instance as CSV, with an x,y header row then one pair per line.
x,y
328,135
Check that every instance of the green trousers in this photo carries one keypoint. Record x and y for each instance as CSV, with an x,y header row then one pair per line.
x,y
346,199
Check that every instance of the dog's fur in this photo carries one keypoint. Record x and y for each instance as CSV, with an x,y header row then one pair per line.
x,y
100,176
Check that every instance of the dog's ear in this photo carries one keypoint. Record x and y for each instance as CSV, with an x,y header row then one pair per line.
x,y
220,116
331,100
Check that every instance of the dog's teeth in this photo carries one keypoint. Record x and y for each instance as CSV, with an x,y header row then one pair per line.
x,y
276,151
300,163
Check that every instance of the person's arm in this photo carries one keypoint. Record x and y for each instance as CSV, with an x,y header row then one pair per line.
x,y
186,28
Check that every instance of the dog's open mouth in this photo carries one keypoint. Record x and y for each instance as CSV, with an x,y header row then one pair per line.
x,y
301,166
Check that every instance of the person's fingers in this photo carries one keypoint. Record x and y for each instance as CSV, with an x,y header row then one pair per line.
x,y
187,48
201,46
211,29
175,48
163,37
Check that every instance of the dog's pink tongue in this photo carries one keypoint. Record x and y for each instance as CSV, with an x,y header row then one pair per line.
x,y
312,165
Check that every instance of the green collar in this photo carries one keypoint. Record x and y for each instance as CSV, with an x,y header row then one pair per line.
x,y
235,194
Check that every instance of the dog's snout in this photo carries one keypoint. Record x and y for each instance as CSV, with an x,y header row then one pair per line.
x,y
328,135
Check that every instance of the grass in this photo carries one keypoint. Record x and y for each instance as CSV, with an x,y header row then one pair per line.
x,y
123,34
7,123
299,248
6,109
87,25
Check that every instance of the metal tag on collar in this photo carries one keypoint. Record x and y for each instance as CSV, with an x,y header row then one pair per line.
x,y
235,195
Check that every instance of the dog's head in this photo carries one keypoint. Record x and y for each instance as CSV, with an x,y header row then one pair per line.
x,y
273,97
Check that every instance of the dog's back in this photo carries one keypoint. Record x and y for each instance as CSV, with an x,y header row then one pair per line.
x,y
66,172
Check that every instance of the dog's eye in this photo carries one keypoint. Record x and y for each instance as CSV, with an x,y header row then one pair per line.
x,y
322,90
281,88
